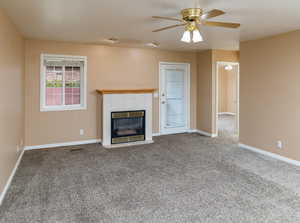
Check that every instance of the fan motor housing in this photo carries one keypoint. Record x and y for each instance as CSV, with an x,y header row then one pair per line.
x,y
191,14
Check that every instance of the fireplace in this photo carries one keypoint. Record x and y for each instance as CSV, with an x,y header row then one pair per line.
x,y
126,117
127,126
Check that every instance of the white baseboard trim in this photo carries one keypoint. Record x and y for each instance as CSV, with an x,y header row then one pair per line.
x,y
226,113
203,133
46,146
156,134
8,183
273,155
206,133
175,132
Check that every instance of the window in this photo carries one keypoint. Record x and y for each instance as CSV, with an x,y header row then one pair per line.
x,y
63,82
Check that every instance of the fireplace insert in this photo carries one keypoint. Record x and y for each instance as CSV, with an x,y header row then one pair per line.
x,y
127,126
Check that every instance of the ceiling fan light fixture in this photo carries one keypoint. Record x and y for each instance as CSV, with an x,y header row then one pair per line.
x,y
197,37
192,19
186,37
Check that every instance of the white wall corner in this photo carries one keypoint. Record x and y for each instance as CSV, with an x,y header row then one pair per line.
x,y
8,183
272,155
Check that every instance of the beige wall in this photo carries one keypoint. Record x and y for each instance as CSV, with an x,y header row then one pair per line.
x,y
222,89
11,96
204,84
270,94
206,98
227,89
108,67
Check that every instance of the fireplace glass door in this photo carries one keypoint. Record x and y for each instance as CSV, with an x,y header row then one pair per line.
x,y
127,126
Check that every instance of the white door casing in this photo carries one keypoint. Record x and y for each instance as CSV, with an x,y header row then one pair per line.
x,y
236,100
174,94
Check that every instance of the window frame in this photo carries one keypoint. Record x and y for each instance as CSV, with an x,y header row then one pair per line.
x,y
83,83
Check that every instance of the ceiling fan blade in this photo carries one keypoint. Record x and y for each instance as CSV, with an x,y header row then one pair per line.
x,y
166,18
221,24
168,27
212,13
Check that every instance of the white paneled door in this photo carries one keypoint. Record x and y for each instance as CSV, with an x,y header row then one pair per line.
x,y
174,103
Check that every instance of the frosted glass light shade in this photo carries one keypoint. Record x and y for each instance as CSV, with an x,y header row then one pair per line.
x,y
197,36
186,37
228,67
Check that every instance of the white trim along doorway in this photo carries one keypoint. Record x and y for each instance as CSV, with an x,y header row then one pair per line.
x,y
219,64
174,97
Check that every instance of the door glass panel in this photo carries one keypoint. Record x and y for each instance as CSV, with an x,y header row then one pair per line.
x,y
175,108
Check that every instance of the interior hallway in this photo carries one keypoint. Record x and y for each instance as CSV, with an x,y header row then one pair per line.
x,y
226,126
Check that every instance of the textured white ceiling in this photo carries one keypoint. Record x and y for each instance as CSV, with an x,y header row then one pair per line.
x,y
91,21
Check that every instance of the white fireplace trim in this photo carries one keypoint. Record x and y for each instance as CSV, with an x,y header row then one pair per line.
x,y
125,102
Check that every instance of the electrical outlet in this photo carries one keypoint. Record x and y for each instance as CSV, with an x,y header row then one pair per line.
x,y
279,144
81,132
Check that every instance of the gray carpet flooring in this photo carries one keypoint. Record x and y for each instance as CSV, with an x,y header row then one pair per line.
x,y
179,178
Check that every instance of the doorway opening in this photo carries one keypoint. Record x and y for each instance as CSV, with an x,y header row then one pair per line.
x,y
227,100
174,87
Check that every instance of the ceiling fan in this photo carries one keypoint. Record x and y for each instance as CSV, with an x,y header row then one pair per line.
x,y
192,19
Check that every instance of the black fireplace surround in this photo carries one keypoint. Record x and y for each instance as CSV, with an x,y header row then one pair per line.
x,y
127,126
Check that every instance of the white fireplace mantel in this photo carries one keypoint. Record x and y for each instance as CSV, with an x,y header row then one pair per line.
x,y
125,100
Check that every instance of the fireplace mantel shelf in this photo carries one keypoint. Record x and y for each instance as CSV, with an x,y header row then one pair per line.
x,y
128,91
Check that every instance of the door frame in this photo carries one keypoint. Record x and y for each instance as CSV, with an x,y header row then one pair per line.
x,y
216,107
188,100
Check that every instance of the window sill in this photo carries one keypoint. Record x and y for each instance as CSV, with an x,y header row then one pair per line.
x,y
71,108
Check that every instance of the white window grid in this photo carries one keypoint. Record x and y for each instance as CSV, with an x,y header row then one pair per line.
x,y
83,83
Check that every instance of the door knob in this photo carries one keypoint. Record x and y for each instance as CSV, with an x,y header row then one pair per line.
x,y
163,102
